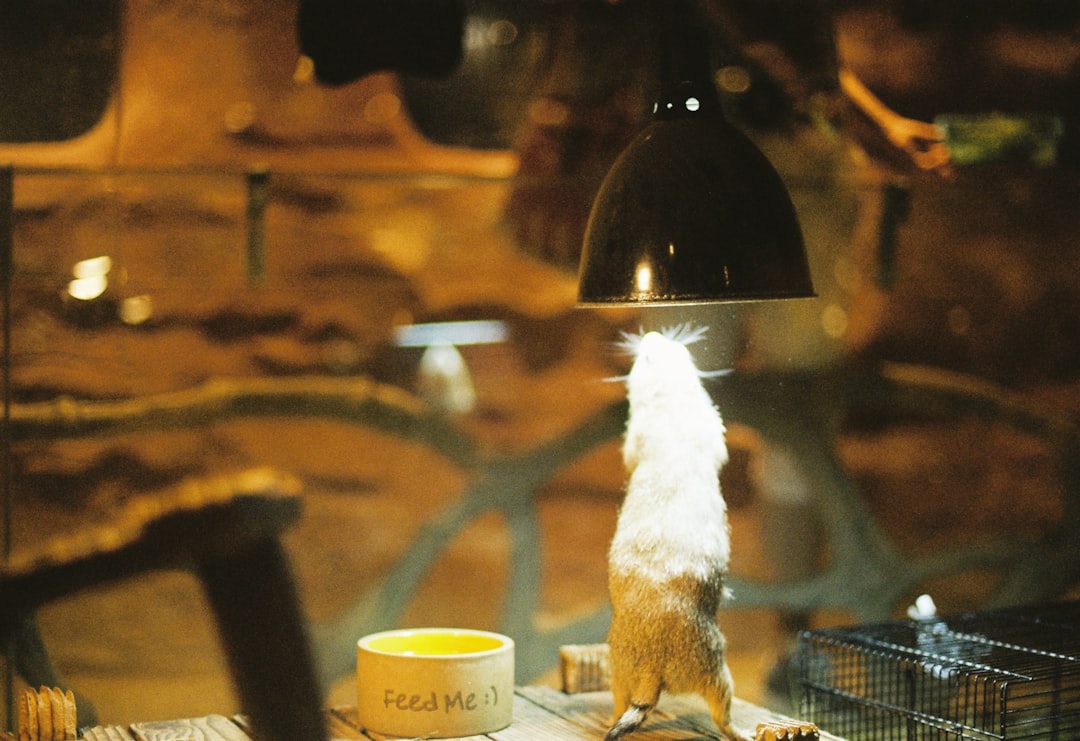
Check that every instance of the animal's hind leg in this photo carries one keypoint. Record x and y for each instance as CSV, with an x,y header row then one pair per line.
x,y
620,692
718,696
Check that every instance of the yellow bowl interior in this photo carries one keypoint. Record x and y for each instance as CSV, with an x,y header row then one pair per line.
x,y
433,643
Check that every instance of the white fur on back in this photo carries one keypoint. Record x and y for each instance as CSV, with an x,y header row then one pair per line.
x,y
673,521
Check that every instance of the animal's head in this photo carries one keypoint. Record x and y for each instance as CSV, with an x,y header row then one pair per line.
x,y
670,410
661,364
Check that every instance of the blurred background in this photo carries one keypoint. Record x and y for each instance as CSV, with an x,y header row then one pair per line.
x,y
307,210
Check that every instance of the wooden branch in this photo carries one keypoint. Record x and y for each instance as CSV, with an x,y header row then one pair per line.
x,y
226,530
866,574
354,400
923,143
199,517
945,393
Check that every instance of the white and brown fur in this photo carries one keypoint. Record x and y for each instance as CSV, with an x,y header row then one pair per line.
x,y
670,551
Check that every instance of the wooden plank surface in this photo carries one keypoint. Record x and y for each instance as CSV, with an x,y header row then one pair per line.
x,y
591,712
540,714
677,717
211,728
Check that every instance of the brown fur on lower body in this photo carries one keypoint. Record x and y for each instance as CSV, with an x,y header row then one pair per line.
x,y
665,638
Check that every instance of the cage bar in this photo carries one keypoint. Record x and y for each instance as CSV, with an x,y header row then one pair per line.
x,y
982,676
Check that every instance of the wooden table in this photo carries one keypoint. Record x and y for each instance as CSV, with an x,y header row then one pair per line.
x,y
540,713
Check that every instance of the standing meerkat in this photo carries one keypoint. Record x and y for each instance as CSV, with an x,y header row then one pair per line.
x,y
670,551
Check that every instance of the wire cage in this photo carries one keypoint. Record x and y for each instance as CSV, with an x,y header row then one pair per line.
x,y
1003,674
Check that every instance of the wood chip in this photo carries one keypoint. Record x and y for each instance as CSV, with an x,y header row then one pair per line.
x,y
44,715
71,725
25,734
585,668
56,710
784,730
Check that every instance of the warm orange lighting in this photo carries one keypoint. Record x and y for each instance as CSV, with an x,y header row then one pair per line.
x,y
94,266
643,278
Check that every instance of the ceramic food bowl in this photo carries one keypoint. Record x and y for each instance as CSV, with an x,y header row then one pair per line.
x,y
434,682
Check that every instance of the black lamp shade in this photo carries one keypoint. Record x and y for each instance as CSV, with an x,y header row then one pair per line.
x,y
692,212
349,39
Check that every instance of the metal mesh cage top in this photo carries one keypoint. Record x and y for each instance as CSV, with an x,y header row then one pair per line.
x,y
1005,674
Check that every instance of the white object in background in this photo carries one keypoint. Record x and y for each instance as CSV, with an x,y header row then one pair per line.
x,y
444,382
923,609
